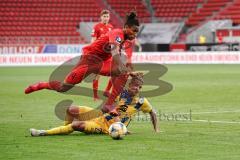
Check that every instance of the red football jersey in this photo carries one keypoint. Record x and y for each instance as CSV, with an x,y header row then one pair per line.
x,y
103,45
101,29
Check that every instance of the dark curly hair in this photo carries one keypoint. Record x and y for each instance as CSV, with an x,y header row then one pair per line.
x,y
131,19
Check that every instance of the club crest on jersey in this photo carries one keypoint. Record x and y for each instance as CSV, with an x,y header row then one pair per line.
x,y
118,39
141,100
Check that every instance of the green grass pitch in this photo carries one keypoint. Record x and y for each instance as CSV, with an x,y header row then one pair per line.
x,y
212,92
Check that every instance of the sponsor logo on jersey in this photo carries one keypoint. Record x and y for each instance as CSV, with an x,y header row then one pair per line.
x,y
118,39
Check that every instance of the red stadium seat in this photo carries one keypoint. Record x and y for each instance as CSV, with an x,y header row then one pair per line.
x,y
34,18
206,12
174,10
124,6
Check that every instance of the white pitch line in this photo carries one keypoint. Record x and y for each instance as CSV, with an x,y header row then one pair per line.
x,y
201,120
208,121
216,112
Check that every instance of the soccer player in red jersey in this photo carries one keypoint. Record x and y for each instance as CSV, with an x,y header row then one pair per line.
x,y
128,50
100,29
95,59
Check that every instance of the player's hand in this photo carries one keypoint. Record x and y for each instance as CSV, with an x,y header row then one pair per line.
x,y
123,69
140,48
133,74
129,66
119,69
114,113
111,109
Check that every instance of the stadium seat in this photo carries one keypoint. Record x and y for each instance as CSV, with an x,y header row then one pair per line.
x,y
206,11
174,10
34,18
124,6
231,11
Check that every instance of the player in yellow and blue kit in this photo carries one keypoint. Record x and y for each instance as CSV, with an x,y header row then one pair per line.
x,y
128,104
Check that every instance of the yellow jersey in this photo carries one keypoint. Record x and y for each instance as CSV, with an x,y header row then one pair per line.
x,y
128,107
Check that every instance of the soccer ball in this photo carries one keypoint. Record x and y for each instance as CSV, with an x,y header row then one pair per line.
x,y
117,130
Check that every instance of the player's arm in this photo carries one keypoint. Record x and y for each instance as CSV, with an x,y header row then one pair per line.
x,y
118,65
129,59
137,43
116,54
147,108
94,34
154,120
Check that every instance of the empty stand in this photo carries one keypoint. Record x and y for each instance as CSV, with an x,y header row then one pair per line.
x,y
208,9
174,10
56,20
124,6
232,11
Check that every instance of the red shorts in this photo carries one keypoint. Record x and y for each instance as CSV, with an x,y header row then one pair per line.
x,y
87,65
92,64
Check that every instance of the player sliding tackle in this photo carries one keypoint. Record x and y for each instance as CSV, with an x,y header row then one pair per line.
x,y
95,60
128,104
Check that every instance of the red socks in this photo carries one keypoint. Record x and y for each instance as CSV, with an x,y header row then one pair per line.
x,y
36,87
95,89
109,85
118,86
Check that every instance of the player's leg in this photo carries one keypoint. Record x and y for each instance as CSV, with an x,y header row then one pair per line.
x,y
81,126
118,86
90,127
81,113
74,77
106,71
53,85
108,88
95,88
54,131
72,113
86,66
